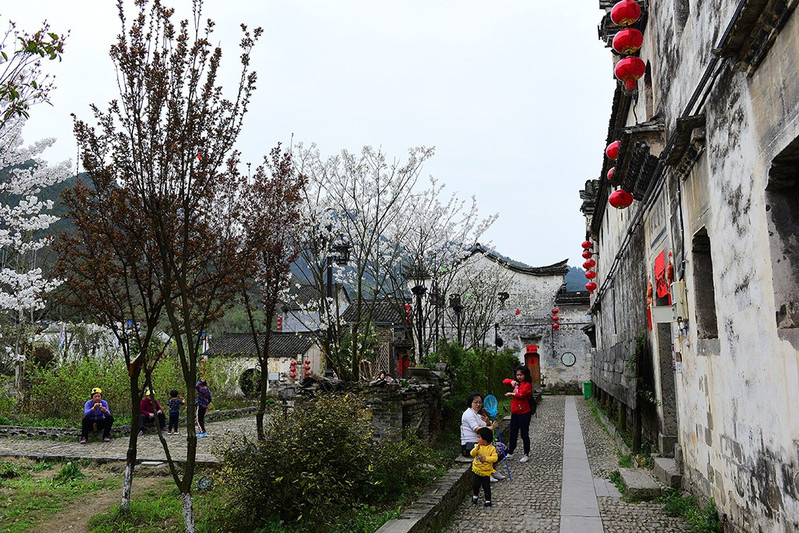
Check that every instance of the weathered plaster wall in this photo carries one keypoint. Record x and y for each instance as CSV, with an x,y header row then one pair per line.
x,y
737,394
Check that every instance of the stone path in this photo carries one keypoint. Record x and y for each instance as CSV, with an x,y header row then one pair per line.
x,y
538,499
149,447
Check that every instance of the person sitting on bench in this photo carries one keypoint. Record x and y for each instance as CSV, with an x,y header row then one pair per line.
x,y
149,410
96,416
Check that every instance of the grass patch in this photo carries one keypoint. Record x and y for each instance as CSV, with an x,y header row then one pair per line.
x,y
702,519
625,459
616,479
32,493
157,509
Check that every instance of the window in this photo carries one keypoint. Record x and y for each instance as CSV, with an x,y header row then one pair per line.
x,y
704,291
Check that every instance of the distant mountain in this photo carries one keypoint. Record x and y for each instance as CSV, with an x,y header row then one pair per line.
x,y
575,279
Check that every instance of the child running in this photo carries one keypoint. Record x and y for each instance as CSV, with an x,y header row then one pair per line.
x,y
485,456
174,411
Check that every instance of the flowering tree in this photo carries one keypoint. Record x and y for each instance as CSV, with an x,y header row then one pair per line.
x,y
22,82
163,157
24,218
273,222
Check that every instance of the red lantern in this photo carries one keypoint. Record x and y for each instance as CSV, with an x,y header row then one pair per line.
x,y
610,173
590,274
587,244
625,12
591,286
518,311
670,270
307,361
628,41
612,151
555,311
587,254
293,363
307,374
555,318
307,367
292,375
279,326
555,326
620,199
629,70
589,264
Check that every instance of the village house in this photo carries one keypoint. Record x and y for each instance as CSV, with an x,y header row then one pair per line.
x,y
696,304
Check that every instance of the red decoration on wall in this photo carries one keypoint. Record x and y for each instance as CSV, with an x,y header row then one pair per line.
x,y
292,375
587,254
628,41
590,274
610,173
661,285
589,264
612,151
555,311
587,244
629,70
532,348
555,326
591,286
555,318
518,311
620,199
625,12
670,270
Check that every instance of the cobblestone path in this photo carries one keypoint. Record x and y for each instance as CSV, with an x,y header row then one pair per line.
x,y
531,502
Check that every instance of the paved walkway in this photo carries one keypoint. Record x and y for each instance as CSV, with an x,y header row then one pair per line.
x,y
148,447
564,488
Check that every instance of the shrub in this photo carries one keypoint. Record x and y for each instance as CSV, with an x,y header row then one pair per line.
x,y
319,465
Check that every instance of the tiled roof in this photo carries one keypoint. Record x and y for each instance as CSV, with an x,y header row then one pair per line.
x,y
281,345
385,312
555,269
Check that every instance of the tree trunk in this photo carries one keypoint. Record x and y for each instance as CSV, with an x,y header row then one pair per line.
x,y
188,512
127,486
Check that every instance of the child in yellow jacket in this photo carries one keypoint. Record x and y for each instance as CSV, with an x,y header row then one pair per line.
x,y
485,456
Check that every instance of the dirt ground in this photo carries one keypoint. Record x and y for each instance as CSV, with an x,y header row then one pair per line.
x,y
74,517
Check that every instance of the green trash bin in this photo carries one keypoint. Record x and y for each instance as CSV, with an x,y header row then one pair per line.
x,y
587,389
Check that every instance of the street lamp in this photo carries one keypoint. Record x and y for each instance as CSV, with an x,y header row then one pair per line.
x,y
455,305
418,276
340,253
437,299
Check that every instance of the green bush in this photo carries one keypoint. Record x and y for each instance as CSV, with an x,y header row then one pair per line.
x,y
319,465
703,520
477,370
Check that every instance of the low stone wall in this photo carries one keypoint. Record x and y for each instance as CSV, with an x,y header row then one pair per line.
x,y
116,431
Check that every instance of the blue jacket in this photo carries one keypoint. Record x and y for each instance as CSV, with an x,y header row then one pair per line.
x,y
95,414
203,395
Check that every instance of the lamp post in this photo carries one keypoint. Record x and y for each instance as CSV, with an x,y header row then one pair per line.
x,y
339,253
418,276
455,304
437,299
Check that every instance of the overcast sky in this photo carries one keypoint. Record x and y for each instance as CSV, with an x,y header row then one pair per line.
x,y
514,95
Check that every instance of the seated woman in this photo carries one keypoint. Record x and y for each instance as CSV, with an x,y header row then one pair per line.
x,y
149,410
472,420
96,414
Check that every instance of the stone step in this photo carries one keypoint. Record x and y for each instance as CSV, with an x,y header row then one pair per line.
x,y
665,471
641,486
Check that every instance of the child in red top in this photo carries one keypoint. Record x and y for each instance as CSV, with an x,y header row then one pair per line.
x,y
520,412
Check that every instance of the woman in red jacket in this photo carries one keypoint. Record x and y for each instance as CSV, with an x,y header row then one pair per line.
x,y
520,413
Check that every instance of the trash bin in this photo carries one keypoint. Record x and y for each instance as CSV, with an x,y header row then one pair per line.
x,y
587,389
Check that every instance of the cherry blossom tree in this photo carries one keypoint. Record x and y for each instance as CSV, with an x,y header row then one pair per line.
x,y
24,219
163,156
22,81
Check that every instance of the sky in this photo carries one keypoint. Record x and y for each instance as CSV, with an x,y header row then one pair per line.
x,y
515,95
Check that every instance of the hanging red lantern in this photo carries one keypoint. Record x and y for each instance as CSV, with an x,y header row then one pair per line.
x,y
612,151
307,361
589,264
628,41
293,363
591,286
590,274
292,375
625,12
555,326
620,199
555,311
307,374
587,244
629,70
555,318
518,311
610,173
670,270
307,367
587,254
